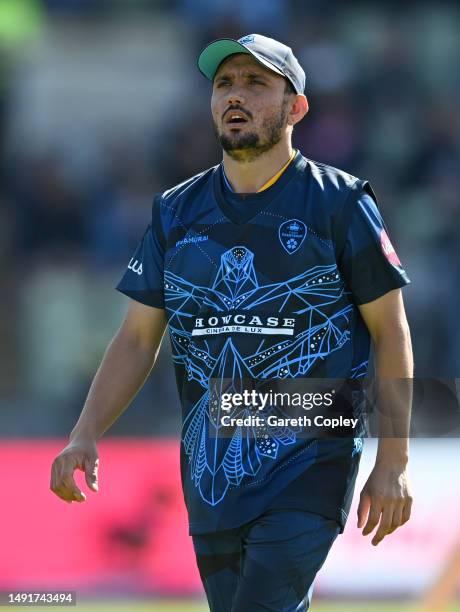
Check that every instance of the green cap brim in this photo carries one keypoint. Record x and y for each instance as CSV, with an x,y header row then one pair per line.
x,y
214,54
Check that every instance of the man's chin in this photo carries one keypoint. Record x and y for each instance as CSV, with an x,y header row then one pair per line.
x,y
239,142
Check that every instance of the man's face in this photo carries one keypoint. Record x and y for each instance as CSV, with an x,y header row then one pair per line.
x,y
249,107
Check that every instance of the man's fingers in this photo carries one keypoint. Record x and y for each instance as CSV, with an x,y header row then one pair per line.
x,y
373,518
385,524
407,510
69,495
401,514
62,481
76,456
363,508
66,495
91,473
397,520
69,487
53,477
57,489
390,501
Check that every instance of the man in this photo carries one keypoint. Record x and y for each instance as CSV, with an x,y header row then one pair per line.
x,y
267,266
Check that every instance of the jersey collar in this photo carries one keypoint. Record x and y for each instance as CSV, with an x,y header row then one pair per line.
x,y
256,201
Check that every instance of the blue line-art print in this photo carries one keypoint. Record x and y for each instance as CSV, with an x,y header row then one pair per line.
x,y
216,462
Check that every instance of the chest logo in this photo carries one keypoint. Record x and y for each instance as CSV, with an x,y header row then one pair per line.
x,y
292,234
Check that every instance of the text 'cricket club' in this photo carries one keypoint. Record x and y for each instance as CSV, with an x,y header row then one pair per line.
x,y
247,324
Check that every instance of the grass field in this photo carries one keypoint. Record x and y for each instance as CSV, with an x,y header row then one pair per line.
x,y
185,606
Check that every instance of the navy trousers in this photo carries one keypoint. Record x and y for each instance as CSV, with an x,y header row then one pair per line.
x,y
267,565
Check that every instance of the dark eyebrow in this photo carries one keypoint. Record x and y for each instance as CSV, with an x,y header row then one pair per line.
x,y
251,75
256,75
222,77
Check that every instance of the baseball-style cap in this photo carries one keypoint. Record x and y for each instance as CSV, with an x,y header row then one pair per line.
x,y
269,52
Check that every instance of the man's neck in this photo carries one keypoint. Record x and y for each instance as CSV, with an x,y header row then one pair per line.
x,y
248,177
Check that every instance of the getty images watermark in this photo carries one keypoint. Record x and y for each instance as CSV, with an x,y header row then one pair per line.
x,y
326,407
256,400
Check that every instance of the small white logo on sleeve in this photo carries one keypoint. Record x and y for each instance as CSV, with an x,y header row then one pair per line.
x,y
135,266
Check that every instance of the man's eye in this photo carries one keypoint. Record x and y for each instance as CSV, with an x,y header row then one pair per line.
x,y
222,83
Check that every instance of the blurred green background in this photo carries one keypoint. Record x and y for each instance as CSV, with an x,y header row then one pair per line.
x,y
102,106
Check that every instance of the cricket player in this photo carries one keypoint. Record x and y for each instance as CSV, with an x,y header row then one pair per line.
x,y
268,265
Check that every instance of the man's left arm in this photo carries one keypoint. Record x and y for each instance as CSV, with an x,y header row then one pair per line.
x,y
386,499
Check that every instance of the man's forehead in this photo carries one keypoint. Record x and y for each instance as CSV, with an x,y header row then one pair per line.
x,y
242,60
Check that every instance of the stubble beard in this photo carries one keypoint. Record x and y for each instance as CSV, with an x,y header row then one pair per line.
x,y
246,147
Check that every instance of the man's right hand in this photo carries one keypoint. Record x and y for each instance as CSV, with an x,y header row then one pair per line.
x,y
126,364
79,454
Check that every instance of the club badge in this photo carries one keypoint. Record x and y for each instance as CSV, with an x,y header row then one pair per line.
x,y
291,234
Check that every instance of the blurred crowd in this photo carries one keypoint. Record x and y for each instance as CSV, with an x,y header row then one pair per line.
x,y
384,92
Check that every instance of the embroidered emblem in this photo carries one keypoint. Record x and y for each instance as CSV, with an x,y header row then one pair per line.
x,y
292,234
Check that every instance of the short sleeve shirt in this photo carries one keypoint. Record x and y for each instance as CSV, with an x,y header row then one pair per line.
x,y
264,286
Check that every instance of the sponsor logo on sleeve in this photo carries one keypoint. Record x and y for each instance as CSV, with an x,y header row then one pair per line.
x,y
135,266
388,249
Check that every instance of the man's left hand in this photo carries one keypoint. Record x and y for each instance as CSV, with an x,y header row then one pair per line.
x,y
385,501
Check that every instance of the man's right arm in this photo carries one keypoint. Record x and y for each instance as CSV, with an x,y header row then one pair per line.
x,y
125,366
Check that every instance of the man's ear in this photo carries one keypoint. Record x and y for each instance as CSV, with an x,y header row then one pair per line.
x,y
298,110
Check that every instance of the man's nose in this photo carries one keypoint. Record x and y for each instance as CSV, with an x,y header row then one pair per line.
x,y
235,95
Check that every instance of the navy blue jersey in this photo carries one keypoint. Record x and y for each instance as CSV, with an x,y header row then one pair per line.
x,y
264,286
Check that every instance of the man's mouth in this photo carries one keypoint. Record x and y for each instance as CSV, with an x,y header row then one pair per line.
x,y
235,118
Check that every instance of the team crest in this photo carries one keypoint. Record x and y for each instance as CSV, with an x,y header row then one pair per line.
x,y
291,234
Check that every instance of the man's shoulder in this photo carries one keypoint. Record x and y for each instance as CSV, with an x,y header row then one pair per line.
x,y
188,187
330,176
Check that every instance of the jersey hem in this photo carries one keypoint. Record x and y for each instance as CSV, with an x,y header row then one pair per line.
x,y
375,291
